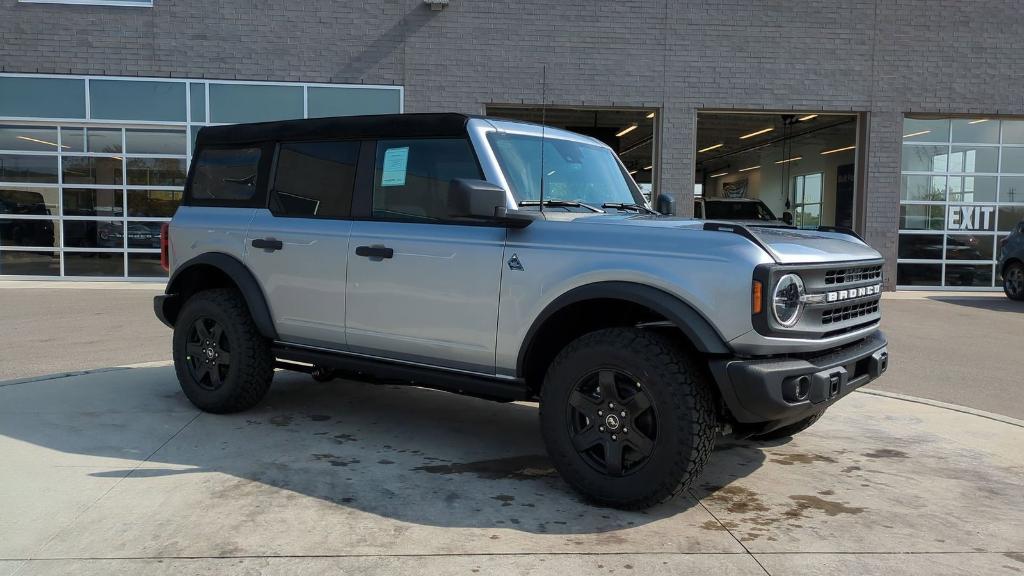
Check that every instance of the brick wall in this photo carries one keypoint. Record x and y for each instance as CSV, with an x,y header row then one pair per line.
x,y
876,56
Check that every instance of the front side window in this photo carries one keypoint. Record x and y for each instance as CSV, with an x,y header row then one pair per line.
x,y
412,177
315,179
573,171
226,174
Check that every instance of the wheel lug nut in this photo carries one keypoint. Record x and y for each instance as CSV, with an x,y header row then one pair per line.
x,y
624,430
623,413
611,405
601,428
614,437
600,412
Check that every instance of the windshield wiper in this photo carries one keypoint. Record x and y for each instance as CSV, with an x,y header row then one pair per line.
x,y
627,206
561,204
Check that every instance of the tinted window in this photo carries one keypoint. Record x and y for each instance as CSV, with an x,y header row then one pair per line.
x,y
412,177
738,211
315,179
226,174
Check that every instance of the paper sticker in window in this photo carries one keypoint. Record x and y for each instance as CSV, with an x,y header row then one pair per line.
x,y
396,161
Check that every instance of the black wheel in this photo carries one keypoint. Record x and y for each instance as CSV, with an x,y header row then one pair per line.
x,y
627,419
790,430
222,362
1013,281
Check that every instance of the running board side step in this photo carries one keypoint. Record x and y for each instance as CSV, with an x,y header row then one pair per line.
x,y
383,372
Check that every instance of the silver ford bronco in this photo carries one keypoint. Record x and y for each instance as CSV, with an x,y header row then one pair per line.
x,y
510,261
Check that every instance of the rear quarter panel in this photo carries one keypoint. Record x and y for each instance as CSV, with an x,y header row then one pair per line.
x,y
197,229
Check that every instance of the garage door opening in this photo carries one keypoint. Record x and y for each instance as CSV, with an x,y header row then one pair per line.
x,y
630,133
803,166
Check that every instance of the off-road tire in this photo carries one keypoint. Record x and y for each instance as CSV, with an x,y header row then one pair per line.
x,y
677,388
789,430
1010,286
248,375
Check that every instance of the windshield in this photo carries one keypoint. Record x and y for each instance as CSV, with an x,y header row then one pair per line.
x,y
573,171
718,210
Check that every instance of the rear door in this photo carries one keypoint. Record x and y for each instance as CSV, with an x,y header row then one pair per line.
x,y
421,287
298,247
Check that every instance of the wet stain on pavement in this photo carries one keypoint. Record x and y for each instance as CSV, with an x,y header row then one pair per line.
x,y
343,438
739,500
505,499
790,459
281,420
319,417
514,468
335,460
829,507
885,453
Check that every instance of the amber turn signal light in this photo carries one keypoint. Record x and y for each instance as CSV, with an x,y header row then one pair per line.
x,y
756,299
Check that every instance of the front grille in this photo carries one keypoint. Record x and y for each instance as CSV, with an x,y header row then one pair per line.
x,y
859,274
850,312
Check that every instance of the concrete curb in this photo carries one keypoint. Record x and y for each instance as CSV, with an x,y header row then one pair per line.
x,y
946,406
59,375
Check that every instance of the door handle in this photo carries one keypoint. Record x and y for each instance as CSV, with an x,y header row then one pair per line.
x,y
267,244
378,252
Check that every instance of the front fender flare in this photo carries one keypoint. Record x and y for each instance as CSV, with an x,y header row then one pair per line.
x,y
681,314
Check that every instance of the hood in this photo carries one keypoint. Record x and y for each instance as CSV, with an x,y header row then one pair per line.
x,y
784,245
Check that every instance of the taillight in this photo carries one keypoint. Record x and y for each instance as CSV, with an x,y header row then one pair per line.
x,y
165,242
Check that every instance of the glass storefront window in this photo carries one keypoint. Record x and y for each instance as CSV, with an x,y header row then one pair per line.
x,y
976,130
919,158
925,130
27,97
92,170
923,188
89,202
104,140
26,200
108,182
25,168
155,142
137,100
104,264
31,138
156,171
231,103
964,181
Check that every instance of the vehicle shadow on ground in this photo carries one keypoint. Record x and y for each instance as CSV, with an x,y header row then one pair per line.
x,y
405,453
982,303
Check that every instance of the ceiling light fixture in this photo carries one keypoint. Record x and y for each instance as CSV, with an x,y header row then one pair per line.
x,y
978,121
709,148
793,159
625,131
631,172
40,141
921,133
806,118
758,133
651,115
717,175
751,168
648,167
827,152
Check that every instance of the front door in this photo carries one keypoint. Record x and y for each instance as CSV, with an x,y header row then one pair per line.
x,y
298,249
420,287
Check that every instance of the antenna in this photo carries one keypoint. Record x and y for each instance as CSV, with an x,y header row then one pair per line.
x,y
543,128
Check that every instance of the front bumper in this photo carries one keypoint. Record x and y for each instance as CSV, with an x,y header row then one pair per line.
x,y
789,388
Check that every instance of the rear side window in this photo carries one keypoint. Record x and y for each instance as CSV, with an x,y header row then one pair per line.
x,y
226,174
315,179
411,178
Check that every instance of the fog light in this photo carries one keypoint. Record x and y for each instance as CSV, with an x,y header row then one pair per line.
x,y
796,389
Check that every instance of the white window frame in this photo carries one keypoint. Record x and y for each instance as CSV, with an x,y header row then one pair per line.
x,y
145,4
798,197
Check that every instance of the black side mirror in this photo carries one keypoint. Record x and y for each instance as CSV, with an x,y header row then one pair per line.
x,y
482,200
666,204
787,217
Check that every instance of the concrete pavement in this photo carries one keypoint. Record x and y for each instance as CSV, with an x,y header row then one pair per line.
x,y
116,473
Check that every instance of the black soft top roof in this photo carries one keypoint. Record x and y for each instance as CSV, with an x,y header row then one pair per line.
x,y
376,126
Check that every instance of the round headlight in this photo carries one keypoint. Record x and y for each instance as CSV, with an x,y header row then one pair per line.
x,y
786,301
